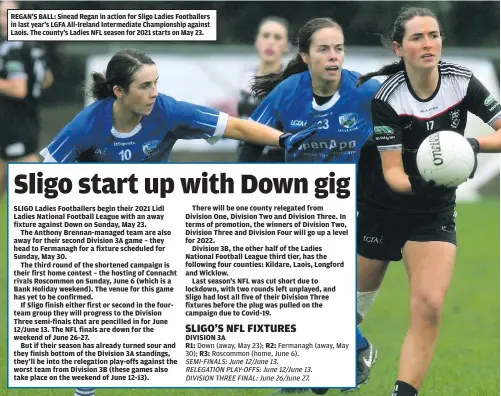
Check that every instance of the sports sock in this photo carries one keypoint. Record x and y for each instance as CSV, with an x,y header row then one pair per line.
x,y
84,392
402,388
361,342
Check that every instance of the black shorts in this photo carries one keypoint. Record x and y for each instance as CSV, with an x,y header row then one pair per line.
x,y
19,130
18,141
382,236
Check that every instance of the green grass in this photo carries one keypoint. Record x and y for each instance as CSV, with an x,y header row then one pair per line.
x,y
467,358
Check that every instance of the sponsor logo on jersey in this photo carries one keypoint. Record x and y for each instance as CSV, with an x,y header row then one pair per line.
x,y
128,143
342,146
298,123
493,107
489,100
150,148
383,130
379,138
316,115
348,120
429,109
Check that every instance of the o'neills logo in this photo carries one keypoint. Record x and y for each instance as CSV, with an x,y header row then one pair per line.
x,y
436,151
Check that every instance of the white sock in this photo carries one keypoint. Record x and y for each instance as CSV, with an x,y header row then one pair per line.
x,y
84,392
365,301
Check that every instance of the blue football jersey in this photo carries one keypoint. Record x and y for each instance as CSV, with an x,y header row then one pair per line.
x,y
91,137
343,124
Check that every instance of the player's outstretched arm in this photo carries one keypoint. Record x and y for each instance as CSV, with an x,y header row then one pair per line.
x,y
491,143
251,131
254,132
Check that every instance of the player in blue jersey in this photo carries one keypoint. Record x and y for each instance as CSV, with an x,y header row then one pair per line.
x,y
130,121
315,92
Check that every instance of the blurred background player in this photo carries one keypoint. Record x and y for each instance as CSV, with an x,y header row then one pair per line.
x,y
23,75
411,218
271,44
314,91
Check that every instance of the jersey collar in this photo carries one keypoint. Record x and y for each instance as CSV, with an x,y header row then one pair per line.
x,y
434,92
114,132
335,97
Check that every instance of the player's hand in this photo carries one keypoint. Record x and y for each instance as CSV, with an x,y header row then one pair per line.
x,y
291,141
476,149
426,189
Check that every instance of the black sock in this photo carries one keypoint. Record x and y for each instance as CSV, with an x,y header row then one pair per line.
x,y
404,389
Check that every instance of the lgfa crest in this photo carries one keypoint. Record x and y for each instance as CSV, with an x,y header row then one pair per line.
x,y
348,120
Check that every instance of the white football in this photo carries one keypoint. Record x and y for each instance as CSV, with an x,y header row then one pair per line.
x,y
445,157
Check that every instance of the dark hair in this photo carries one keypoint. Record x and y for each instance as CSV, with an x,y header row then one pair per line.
x,y
282,21
263,85
120,71
397,34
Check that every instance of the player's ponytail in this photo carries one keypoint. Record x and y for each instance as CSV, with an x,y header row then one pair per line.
x,y
386,70
263,85
396,35
99,88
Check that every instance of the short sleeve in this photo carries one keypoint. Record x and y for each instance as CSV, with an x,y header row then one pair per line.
x,y
193,121
266,113
387,130
68,144
480,102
